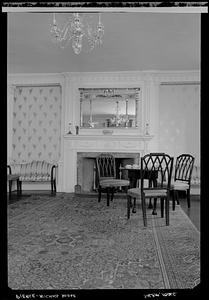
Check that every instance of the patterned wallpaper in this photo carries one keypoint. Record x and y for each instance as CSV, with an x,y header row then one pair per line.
x,y
36,123
179,114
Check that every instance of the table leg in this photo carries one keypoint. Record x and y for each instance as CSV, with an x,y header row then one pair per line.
x,y
150,199
18,187
154,212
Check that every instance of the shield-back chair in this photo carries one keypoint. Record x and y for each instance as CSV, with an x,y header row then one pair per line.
x,y
182,177
161,164
106,174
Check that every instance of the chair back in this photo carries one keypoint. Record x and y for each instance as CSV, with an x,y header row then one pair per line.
x,y
105,165
158,167
183,168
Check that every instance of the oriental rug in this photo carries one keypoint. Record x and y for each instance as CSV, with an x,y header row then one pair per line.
x,y
68,242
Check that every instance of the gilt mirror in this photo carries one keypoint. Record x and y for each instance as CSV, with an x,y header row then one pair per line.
x,y
109,107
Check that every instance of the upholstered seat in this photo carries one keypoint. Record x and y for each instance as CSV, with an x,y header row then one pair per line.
x,y
114,182
180,185
136,192
35,177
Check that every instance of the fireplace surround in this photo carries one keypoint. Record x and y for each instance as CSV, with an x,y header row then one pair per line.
x,y
81,150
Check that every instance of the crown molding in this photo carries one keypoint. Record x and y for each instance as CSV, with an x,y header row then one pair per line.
x,y
97,77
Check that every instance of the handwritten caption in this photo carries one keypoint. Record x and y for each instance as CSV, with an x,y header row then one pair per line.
x,y
159,294
44,296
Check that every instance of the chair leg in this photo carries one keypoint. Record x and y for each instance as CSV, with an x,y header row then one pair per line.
x,y
99,193
188,198
167,211
162,207
134,206
128,206
112,194
154,212
177,197
144,211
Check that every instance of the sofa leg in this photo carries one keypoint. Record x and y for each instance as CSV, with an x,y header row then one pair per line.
x,y
55,189
10,189
20,187
51,186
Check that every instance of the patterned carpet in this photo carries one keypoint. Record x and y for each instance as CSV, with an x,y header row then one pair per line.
x,y
64,242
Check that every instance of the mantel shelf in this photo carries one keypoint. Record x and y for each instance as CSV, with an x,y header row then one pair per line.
x,y
109,137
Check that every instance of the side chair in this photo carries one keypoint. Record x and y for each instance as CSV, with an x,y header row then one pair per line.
x,y
151,164
182,177
106,174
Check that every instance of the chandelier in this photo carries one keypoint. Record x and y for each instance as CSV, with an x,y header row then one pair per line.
x,y
75,30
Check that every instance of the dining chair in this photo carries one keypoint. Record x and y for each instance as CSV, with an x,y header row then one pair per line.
x,y
106,175
182,177
159,163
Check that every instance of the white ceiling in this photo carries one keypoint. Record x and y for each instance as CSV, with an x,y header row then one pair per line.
x,y
133,41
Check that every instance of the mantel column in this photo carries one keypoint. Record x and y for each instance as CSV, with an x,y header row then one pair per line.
x,y
137,108
154,114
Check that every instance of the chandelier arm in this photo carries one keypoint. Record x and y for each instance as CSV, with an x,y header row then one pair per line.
x,y
74,30
65,30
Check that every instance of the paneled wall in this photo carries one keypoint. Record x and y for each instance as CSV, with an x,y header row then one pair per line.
x,y
41,106
179,119
36,126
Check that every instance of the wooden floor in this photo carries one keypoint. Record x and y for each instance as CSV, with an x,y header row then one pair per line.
x,y
193,212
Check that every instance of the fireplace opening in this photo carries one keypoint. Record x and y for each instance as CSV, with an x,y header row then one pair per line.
x,y
87,181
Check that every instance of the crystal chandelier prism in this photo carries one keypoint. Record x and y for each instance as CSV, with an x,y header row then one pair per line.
x,y
75,30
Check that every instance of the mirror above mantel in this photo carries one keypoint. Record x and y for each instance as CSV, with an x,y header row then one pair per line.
x,y
109,108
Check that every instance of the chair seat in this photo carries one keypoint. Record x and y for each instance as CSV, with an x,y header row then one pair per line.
x,y
114,182
136,192
180,185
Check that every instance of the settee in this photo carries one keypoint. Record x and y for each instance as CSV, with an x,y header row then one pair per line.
x,y
35,171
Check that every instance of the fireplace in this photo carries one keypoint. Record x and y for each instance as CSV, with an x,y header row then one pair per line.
x,y
80,152
86,168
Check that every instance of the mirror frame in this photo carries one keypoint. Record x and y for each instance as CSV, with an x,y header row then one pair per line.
x,y
91,94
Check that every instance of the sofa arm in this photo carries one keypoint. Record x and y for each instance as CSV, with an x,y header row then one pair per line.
x,y
9,168
53,172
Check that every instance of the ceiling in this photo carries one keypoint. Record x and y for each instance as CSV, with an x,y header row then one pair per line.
x,y
133,41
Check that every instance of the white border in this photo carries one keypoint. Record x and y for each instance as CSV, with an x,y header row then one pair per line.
x,y
187,9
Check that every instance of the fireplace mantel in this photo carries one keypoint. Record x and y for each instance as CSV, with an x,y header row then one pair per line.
x,y
109,137
73,144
